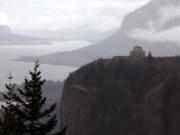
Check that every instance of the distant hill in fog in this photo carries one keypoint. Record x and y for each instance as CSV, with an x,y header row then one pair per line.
x,y
7,37
92,36
147,26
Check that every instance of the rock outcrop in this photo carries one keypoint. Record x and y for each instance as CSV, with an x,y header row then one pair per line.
x,y
123,96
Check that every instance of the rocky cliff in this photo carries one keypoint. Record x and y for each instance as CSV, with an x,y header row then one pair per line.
x,y
123,96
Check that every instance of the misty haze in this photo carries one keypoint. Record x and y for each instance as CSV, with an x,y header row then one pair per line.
x,y
90,67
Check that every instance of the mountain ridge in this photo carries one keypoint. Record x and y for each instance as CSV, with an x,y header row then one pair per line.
x,y
7,37
121,41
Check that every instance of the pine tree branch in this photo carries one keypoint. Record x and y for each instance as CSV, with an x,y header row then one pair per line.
x,y
47,111
63,132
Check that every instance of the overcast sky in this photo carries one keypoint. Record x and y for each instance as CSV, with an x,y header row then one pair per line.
x,y
165,28
100,15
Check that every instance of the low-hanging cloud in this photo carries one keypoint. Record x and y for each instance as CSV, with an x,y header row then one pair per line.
x,y
4,19
166,28
101,15
171,35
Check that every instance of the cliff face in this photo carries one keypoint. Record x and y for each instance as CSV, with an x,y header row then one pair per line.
x,y
123,96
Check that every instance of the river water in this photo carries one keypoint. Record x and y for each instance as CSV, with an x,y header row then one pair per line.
x,y
20,69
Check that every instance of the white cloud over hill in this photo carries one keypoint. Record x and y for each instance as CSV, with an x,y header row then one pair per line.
x,y
100,15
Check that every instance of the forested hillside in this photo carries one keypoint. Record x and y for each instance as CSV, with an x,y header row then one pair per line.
x,y
125,96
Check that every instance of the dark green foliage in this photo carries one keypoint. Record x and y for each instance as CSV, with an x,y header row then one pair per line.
x,y
32,103
150,57
149,54
133,97
52,91
10,123
63,132
170,104
24,112
99,74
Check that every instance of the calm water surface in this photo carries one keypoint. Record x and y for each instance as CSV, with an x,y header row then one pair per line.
x,y
20,69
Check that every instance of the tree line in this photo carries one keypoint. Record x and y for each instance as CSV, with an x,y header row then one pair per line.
x,y
23,111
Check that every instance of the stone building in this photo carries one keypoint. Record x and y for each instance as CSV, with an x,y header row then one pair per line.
x,y
137,52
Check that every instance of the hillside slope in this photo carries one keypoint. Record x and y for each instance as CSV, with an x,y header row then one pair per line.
x,y
143,19
7,37
123,96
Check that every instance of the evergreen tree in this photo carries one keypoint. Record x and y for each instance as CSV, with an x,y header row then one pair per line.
x,y
32,103
100,72
10,123
63,132
150,57
24,112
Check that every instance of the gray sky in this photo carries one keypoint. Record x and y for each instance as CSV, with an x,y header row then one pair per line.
x,y
169,14
100,15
